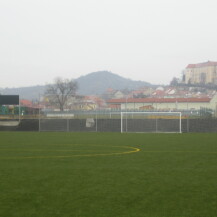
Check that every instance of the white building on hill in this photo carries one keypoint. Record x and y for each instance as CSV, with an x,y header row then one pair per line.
x,y
201,73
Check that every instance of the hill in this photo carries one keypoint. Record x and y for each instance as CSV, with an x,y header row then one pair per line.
x,y
30,93
95,83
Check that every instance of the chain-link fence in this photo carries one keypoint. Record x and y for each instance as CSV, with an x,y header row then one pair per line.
x,y
110,121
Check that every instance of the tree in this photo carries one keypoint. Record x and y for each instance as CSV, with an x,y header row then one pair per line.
x,y
174,82
61,91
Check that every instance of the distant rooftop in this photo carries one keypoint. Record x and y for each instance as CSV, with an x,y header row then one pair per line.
x,y
205,64
159,100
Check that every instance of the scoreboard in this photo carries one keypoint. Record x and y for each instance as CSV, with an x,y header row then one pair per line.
x,y
9,99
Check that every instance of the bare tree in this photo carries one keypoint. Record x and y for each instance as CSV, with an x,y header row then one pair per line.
x,y
61,91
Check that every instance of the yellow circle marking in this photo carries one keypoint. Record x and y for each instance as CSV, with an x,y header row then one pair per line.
x,y
200,152
133,150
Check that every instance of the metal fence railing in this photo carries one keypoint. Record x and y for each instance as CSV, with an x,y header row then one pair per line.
x,y
104,120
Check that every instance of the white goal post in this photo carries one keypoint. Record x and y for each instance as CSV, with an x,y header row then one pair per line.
x,y
153,122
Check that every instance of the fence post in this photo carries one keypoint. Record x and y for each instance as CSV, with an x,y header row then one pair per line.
x,y
121,123
39,115
188,124
96,122
156,125
67,124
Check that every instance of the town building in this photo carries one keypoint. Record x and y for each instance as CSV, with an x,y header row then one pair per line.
x,y
164,104
201,73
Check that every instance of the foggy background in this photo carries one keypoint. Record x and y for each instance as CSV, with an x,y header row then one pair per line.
x,y
151,41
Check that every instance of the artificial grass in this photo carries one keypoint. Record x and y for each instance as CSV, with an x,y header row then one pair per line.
x,y
173,175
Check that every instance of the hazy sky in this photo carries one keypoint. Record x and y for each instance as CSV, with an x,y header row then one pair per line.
x,y
149,40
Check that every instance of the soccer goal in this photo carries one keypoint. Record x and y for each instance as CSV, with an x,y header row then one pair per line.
x,y
153,122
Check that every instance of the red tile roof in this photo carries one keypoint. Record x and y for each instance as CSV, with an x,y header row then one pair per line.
x,y
159,93
25,102
109,90
198,65
158,100
29,104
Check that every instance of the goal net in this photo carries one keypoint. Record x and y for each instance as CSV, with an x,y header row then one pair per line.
x,y
153,122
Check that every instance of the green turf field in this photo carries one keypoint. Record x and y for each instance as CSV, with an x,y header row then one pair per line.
x,y
108,175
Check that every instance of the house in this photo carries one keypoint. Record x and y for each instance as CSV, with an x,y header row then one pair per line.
x,y
87,103
27,107
118,94
141,92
